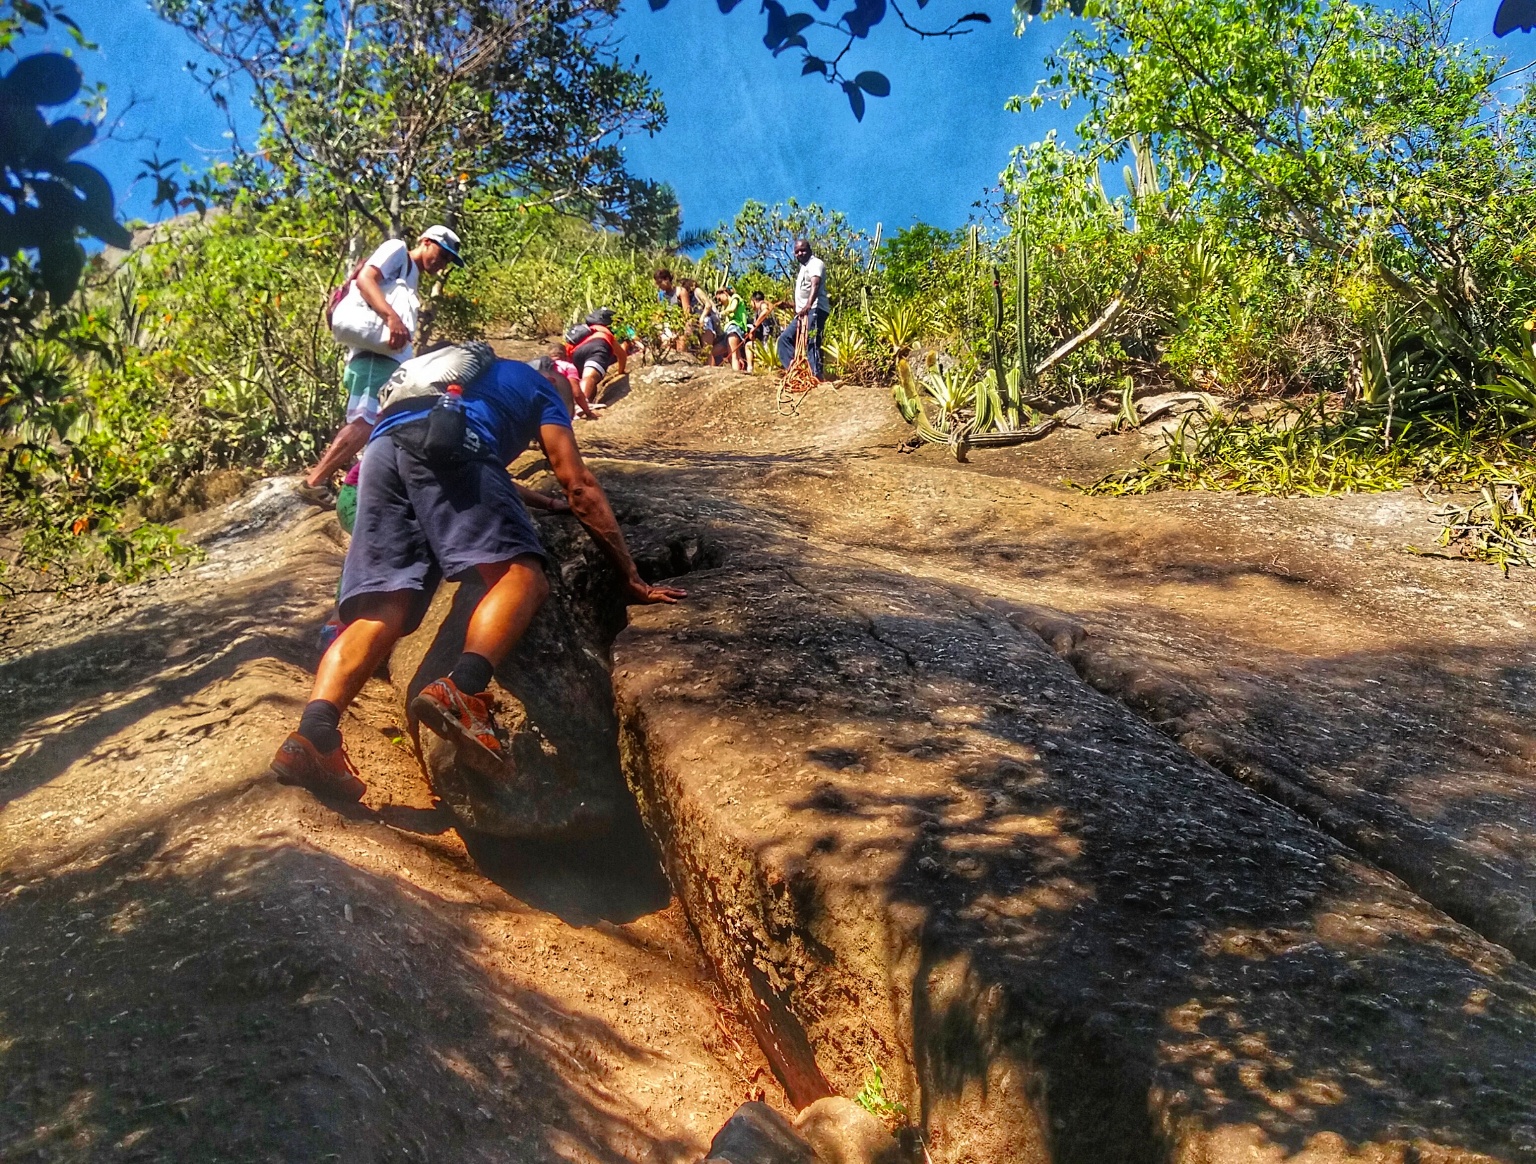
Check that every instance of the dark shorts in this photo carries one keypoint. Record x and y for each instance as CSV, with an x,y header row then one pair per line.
x,y
594,355
416,526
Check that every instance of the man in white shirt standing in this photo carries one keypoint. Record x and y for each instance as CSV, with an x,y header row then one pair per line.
x,y
391,272
811,309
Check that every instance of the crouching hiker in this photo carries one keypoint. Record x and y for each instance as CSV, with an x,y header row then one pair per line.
x,y
593,349
435,500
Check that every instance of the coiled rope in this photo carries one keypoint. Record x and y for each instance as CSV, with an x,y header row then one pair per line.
x,y
798,379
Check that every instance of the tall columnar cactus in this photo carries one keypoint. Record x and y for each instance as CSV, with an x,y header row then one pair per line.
x,y
1021,274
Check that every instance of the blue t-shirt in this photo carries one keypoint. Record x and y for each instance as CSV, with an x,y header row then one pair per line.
x,y
506,406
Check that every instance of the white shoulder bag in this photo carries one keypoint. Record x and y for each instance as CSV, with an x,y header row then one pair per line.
x,y
356,325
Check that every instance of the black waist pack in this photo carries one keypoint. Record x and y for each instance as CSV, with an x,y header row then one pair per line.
x,y
440,438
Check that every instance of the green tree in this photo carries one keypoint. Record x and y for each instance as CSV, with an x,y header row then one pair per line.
x,y
1319,128
910,257
394,107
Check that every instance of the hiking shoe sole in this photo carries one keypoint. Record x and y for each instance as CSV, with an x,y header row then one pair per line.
x,y
472,752
318,495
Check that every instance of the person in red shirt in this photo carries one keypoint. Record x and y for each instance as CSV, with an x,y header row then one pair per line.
x,y
593,355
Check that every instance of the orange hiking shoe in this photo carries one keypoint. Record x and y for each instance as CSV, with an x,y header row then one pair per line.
x,y
327,774
464,719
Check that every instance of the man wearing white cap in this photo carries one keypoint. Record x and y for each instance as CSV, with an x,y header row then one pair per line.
x,y
386,284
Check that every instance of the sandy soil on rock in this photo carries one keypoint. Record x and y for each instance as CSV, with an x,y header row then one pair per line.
x,y
196,963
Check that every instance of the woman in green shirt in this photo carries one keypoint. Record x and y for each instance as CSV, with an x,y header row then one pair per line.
x,y
733,310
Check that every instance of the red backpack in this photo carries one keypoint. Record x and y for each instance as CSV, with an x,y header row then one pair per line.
x,y
340,293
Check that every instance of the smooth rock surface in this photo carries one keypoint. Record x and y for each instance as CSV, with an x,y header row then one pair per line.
x,y
842,1132
906,830
756,1134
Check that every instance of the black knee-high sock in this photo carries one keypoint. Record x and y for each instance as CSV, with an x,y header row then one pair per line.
x,y
321,725
472,673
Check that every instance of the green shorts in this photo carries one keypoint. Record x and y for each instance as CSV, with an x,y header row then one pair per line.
x,y
346,506
366,373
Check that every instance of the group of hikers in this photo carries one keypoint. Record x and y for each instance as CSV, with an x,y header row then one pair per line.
x,y
431,496
727,326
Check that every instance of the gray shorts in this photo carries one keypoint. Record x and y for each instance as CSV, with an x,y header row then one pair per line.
x,y
416,526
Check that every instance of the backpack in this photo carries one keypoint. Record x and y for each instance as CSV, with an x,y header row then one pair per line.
x,y
416,384
583,333
340,293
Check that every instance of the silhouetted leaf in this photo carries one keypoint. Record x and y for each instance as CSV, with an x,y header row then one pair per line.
x,y
784,28
822,4
814,65
873,83
1515,14
30,12
90,182
725,5
67,135
43,79
61,261
863,16
22,133
96,215
1077,6
855,99
975,18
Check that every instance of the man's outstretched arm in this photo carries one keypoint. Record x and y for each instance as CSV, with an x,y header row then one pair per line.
x,y
590,505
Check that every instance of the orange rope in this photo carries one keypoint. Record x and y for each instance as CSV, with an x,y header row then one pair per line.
x,y
798,379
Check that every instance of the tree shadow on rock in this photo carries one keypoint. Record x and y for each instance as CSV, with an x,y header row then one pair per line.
x,y
268,1001
1158,954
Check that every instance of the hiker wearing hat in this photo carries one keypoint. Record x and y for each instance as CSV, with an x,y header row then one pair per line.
x,y
436,501
593,348
373,315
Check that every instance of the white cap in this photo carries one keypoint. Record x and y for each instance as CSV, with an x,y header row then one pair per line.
x,y
446,239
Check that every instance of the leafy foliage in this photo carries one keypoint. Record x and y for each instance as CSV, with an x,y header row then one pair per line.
x,y
872,1096
787,30
47,197
392,108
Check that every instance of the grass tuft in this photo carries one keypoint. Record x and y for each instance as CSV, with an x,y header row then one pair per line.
x,y
1312,449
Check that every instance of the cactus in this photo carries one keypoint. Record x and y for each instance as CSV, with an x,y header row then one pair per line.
x,y
1021,272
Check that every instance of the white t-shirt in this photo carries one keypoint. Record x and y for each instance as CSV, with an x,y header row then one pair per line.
x,y
813,268
397,274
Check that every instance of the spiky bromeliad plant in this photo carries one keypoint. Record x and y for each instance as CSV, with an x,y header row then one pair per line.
x,y
968,408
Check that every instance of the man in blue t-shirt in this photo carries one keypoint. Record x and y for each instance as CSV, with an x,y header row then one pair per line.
x,y
418,523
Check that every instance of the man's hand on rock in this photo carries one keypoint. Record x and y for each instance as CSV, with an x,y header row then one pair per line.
x,y
642,593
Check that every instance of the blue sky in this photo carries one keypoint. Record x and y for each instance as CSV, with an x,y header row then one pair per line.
x,y
741,124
